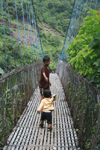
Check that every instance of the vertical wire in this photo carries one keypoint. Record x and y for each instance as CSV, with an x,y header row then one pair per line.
x,y
29,25
30,31
10,33
24,30
78,14
37,34
96,5
86,1
90,3
30,16
28,20
19,41
33,28
85,8
40,46
36,39
36,44
34,36
34,23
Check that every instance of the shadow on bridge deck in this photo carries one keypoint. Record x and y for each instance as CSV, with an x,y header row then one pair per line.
x,y
28,136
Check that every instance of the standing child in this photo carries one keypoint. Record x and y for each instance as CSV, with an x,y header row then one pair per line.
x,y
44,80
46,107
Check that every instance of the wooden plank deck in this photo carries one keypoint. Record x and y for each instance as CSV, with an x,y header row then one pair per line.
x,y
28,136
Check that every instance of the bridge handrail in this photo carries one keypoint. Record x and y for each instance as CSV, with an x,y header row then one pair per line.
x,y
84,103
16,89
18,70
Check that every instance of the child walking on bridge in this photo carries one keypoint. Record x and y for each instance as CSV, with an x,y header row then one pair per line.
x,y
46,107
44,83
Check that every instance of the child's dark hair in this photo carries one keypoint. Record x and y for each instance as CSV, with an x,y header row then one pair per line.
x,y
47,93
45,58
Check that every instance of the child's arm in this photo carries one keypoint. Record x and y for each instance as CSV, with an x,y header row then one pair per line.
x,y
53,98
45,76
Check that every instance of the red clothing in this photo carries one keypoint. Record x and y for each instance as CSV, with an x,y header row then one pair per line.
x,y
43,83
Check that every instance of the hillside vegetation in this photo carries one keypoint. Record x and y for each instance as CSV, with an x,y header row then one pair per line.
x,y
52,19
55,13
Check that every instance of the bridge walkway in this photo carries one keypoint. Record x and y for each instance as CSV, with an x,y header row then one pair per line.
x,y
28,136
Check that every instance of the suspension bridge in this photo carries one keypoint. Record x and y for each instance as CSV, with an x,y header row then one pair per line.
x,y
76,119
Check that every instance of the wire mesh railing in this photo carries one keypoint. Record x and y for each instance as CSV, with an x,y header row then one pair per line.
x,y
16,88
84,103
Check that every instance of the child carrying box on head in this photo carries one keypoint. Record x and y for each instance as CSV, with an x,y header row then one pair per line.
x,y
46,107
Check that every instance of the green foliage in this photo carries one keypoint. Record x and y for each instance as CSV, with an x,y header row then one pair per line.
x,y
84,52
55,13
13,53
84,107
50,41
